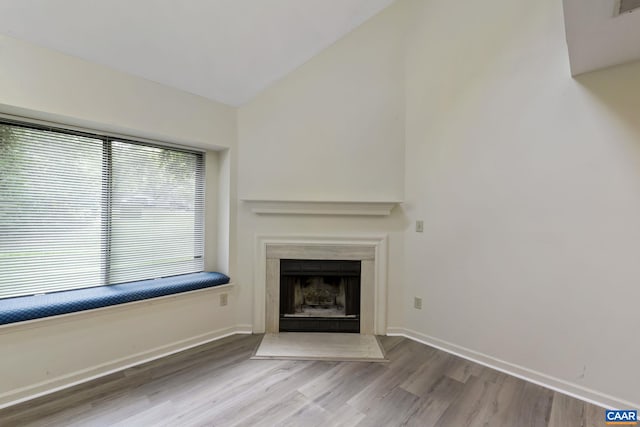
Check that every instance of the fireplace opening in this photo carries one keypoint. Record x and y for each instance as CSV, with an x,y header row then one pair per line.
x,y
319,296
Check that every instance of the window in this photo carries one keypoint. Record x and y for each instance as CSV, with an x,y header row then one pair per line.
x,y
80,210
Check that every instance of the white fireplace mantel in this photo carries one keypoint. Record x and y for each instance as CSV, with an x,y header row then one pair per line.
x,y
371,250
320,207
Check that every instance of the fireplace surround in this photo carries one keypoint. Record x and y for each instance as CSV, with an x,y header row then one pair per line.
x,y
369,250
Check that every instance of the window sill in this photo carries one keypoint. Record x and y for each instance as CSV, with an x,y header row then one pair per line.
x,y
20,309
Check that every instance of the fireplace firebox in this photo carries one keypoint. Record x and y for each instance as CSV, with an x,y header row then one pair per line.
x,y
319,296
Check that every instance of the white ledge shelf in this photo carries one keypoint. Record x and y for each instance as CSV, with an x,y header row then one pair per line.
x,y
320,207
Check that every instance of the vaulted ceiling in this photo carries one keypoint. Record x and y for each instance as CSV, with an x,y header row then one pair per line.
x,y
226,50
230,50
598,36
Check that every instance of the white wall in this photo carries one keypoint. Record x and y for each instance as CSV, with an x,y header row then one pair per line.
x,y
334,128
44,84
529,185
331,130
37,83
43,355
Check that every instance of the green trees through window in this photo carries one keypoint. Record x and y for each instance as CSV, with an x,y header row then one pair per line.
x,y
80,210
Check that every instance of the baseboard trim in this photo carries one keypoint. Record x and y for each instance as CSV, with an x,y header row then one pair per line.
x,y
15,397
544,380
24,394
244,329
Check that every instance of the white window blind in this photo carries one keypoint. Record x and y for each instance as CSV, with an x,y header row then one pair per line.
x,y
80,210
156,212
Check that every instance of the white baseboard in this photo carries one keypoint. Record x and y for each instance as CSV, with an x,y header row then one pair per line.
x,y
544,380
27,393
244,329
14,397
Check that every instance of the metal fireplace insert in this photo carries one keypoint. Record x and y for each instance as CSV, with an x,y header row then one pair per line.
x,y
319,296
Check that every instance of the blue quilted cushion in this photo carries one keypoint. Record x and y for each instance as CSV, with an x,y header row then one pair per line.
x,y
34,307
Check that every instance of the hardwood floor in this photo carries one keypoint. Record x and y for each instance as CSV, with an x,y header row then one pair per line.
x,y
218,385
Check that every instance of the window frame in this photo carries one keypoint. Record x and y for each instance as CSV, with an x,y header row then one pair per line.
x,y
107,138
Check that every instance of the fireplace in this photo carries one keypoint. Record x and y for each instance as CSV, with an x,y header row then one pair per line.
x,y
319,295
370,251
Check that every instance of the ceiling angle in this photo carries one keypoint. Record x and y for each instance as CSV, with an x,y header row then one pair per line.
x,y
628,5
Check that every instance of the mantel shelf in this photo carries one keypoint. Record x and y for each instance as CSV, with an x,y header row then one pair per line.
x,y
320,207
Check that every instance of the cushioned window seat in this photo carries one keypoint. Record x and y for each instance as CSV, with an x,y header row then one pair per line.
x,y
38,306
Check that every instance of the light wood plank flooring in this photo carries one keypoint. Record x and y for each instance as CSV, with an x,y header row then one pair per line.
x,y
218,385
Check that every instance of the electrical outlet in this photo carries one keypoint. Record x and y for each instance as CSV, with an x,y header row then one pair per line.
x,y
223,299
419,226
417,303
